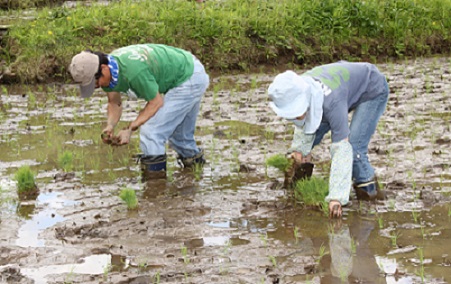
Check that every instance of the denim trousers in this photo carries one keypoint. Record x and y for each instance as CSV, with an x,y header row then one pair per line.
x,y
363,125
175,121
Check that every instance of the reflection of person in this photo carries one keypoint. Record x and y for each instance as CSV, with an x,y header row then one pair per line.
x,y
351,257
147,71
341,254
320,100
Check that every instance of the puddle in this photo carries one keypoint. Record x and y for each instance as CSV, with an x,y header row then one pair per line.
x,y
91,265
233,220
28,233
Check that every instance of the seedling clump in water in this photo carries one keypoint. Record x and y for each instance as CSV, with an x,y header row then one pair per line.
x,y
26,186
129,196
311,192
279,162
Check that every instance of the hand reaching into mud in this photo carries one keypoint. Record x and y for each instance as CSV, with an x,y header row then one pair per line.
x,y
300,168
124,136
107,134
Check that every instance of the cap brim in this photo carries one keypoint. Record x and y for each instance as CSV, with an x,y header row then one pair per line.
x,y
86,91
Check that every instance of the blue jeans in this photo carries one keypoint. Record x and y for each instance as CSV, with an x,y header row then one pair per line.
x,y
175,121
363,125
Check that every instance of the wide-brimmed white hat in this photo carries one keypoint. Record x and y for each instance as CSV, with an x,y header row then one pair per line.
x,y
83,68
293,95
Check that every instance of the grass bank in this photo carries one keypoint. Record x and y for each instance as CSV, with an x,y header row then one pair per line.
x,y
232,34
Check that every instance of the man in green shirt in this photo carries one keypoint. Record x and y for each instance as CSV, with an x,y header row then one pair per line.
x,y
171,81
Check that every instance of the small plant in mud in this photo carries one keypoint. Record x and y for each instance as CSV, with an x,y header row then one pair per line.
x,y
280,162
394,239
128,195
197,170
66,161
297,234
184,252
273,260
26,186
420,271
312,192
156,278
322,252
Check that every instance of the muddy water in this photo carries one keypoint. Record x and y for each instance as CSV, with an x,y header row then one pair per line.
x,y
233,222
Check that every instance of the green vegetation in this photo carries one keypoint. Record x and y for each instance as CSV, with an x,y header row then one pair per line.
x,y
128,195
23,4
312,192
66,161
26,186
279,161
232,34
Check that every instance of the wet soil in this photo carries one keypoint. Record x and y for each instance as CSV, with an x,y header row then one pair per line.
x,y
232,222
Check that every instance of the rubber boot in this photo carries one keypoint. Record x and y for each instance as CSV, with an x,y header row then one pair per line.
x,y
153,167
191,162
298,172
369,190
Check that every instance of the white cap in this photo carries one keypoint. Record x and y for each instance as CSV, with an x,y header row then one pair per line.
x,y
292,95
83,68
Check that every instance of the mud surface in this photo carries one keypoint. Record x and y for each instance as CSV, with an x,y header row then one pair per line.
x,y
232,222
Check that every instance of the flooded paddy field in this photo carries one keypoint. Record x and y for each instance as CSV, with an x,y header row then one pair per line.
x,y
231,222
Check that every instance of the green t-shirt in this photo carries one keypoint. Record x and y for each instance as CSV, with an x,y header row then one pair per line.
x,y
147,69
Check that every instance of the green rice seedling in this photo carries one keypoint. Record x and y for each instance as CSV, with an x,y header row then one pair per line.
x,y
156,278
279,162
185,256
264,239
394,239
322,252
129,196
197,170
420,271
415,215
380,221
26,186
297,234
273,260
31,100
106,270
312,192
66,161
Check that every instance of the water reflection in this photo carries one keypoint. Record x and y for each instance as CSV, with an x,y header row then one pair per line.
x,y
352,259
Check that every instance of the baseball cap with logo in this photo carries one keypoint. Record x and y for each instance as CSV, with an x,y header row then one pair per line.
x,y
83,68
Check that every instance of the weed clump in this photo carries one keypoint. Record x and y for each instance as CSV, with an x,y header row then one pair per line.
x,y
26,186
279,162
128,195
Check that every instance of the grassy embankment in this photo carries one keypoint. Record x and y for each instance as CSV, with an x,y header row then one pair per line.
x,y
232,34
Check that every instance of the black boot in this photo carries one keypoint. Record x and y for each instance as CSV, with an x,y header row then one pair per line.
x,y
191,162
153,167
369,190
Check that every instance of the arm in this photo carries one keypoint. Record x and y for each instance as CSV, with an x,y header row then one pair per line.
x,y
114,113
340,172
302,145
145,114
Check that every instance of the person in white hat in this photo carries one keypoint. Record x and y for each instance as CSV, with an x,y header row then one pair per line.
x,y
319,101
171,80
